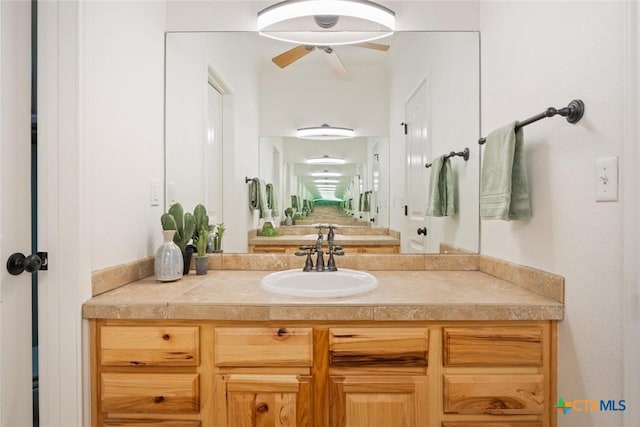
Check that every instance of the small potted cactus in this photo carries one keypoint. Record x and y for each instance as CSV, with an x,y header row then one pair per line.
x,y
217,238
202,260
184,224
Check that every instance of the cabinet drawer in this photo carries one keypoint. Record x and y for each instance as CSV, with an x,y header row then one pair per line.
x,y
493,394
263,347
407,347
492,424
150,393
493,346
149,345
149,423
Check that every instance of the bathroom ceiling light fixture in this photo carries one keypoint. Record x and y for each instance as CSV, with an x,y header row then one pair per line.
x,y
325,160
326,181
325,173
324,132
326,22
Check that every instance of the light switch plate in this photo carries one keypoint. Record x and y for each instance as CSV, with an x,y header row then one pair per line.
x,y
155,193
607,179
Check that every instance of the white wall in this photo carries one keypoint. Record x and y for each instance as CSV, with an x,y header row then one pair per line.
x,y
453,87
186,119
191,55
124,55
306,96
540,54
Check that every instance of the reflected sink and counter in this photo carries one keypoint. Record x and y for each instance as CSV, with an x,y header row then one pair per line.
x,y
352,239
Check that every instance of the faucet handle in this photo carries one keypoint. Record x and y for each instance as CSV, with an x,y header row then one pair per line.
x,y
337,250
304,250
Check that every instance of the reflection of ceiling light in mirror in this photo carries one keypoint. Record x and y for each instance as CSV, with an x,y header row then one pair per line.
x,y
326,160
326,174
326,22
326,181
324,132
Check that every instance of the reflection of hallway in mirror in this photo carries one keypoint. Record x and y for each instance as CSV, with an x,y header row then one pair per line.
x,y
331,214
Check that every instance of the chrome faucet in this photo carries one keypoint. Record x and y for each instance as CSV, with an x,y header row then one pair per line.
x,y
320,257
317,249
333,250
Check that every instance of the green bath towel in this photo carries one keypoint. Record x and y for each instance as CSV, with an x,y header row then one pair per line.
x,y
442,197
504,188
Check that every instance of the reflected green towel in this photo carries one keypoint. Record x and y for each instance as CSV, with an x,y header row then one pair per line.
x,y
367,202
258,196
272,200
504,188
442,196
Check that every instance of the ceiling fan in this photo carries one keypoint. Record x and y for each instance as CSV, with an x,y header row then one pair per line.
x,y
298,52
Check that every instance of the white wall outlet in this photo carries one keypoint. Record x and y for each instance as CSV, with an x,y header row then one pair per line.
x,y
155,193
607,179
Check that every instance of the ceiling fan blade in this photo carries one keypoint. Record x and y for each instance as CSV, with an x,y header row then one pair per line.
x,y
336,64
374,46
292,55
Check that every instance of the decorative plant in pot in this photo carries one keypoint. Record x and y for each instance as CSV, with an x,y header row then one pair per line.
x,y
184,224
202,222
202,260
217,238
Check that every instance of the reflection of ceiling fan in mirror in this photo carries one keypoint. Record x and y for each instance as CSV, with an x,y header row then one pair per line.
x,y
292,55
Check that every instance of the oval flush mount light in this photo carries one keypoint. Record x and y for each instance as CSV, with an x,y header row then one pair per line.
x,y
326,22
324,132
325,160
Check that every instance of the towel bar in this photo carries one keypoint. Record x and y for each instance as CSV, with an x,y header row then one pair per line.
x,y
464,154
573,112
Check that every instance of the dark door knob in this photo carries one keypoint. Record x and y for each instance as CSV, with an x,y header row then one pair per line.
x,y
17,263
422,231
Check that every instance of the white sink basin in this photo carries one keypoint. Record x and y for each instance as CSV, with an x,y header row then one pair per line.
x,y
313,284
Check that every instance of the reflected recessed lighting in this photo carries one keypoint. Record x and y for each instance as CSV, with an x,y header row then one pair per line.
x,y
324,132
328,174
326,22
326,160
326,181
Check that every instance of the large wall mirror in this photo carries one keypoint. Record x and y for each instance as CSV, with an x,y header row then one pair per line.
x,y
234,101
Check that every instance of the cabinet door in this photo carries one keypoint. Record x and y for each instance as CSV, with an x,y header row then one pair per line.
x,y
263,400
378,401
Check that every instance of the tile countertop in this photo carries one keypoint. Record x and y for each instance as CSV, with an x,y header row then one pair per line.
x,y
340,240
400,296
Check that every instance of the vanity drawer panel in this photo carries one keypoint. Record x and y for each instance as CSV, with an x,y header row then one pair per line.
x,y
149,345
494,394
492,424
150,393
406,347
493,346
149,423
264,347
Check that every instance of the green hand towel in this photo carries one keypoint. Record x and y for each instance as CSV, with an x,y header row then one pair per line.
x,y
504,188
442,197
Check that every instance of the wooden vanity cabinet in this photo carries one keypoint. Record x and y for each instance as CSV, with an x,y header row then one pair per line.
x,y
323,374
